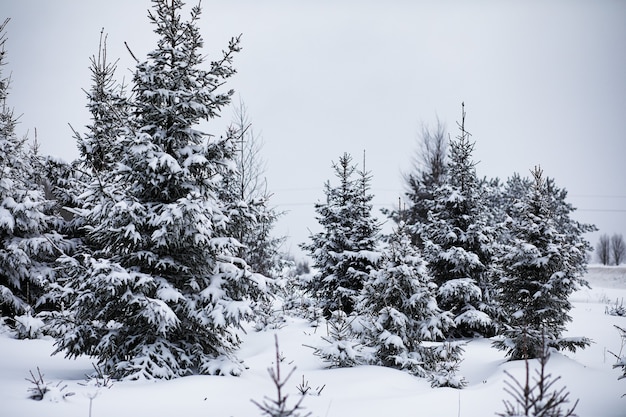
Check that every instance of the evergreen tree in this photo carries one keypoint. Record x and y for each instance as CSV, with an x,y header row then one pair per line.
x,y
400,299
516,186
492,192
99,148
345,250
163,291
109,109
29,243
542,265
459,243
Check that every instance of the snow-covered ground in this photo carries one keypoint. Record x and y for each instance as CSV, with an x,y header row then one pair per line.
x,y
365,391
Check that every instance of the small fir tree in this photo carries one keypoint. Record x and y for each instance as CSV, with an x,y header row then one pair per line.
x,y
278,407
341,347
99,149
542,265
345,250
400,302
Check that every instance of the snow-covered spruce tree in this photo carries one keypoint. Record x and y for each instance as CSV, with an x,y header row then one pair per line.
x,y
109,108
400,305
493,195
86,183
161,295
99,147
345,250
459,243
515,187
542,265
29,243
342,347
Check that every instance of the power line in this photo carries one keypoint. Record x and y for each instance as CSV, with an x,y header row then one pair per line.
x,y
312,204
596,196
604,210
275,190
388,204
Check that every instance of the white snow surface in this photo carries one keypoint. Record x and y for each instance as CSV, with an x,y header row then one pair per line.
x,y
364,391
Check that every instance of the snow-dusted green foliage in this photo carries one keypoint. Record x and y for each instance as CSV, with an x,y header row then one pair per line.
x,y
460,242
345,250
543,263
28,327
161,291
109,108
29,242
341,347
99,148
399,306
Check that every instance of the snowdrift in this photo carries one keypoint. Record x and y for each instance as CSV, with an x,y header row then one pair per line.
x,y
365,391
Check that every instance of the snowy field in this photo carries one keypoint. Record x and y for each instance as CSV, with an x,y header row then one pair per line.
x,y
365,391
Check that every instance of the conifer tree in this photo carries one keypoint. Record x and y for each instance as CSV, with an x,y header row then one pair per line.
x,y
162,294
109,108
400,300
345,250
542,265
459,243
29,243
99,148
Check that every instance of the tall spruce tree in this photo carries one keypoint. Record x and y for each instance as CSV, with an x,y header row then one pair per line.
x,y
543,263
459,243
29,243
345,250
163,291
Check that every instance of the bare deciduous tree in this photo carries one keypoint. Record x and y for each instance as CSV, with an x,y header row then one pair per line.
x,y
251,179
603,249
618,248
431,159
428,169
256,218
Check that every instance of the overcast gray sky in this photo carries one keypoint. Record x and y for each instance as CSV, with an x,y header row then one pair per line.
x,y
544,83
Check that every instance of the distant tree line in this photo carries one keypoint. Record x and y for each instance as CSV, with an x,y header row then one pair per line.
x,y
611,250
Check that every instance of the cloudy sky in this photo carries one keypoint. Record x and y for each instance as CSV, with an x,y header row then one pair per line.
x,y
544,83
